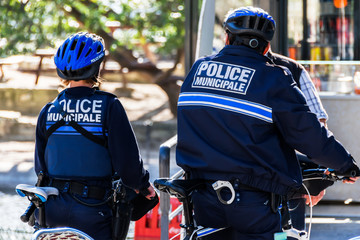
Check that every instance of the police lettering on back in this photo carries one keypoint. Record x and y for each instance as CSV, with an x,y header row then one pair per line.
x,y
223,77
84,110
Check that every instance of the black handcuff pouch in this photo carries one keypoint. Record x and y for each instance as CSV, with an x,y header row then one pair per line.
x,y
275,202
128,206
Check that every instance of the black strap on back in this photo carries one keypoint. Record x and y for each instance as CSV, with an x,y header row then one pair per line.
x,y
53,128
75,125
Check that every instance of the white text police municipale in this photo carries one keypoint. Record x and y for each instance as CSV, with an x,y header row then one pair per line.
x,y
84,110
223,77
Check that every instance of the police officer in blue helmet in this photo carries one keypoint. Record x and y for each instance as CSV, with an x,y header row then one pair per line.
x,y
240,120
84,140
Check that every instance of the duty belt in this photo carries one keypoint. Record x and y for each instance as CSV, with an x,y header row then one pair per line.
x,y
231,185
79,188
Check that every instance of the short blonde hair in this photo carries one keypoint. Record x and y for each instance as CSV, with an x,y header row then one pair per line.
x,y
96,83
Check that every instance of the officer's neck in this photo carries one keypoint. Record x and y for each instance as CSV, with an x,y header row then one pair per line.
x,y
80,83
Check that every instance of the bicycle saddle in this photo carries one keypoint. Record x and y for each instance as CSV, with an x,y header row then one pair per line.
x,y
40,192
179,188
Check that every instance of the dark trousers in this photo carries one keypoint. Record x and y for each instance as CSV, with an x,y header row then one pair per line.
x,y
65,211
297,213
248,217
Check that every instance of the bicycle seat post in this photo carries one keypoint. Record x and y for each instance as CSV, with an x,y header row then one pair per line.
x,y
41,208
42,220
189,219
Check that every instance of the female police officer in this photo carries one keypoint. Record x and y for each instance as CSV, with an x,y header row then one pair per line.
x,y
240,117
83,139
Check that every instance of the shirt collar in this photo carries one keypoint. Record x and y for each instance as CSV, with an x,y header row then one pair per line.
x,y
242,51
77,92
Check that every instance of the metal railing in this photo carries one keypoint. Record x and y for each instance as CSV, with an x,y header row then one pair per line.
x,y
164,172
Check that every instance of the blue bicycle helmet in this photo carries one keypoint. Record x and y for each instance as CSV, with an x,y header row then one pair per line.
x,y
80,56
250,21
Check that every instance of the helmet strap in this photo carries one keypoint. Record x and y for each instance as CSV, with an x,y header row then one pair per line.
x,y
255,43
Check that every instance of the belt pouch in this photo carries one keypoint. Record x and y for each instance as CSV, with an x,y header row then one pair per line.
x,y
275,201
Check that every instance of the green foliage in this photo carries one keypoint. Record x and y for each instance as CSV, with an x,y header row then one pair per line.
x,y
26,25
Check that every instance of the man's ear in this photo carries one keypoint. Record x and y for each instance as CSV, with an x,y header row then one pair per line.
x,y
266,49
227,41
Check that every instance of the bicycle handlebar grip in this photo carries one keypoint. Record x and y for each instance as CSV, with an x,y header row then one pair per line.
x,y
353,173
26,216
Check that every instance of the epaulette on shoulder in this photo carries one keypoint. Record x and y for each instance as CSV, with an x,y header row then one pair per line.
x,y
106,93
284,69
206,58
61,93
286,60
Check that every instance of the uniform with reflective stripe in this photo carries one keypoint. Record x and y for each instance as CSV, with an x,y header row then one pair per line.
x,y
64,156
241,116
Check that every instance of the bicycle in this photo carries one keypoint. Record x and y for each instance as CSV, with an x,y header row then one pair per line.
x,y
38,197
183,188
126,205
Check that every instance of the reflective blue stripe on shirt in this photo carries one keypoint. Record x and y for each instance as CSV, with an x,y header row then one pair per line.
x,y
207,231
68,130
226,103
80,123
76,133
71,129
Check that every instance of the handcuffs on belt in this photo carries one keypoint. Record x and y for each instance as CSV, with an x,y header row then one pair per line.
x,y
219,185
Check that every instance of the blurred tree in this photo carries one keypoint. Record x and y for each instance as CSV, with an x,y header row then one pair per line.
x,y
133,31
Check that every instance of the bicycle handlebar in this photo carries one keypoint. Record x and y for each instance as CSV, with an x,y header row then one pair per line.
x,y
319,173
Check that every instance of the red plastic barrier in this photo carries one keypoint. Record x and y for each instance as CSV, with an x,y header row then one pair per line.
x,y
148,227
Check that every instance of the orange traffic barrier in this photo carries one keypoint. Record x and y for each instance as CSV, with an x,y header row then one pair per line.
x,y
148,227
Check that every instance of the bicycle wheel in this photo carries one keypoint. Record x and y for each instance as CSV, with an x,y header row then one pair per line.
x,y
60,233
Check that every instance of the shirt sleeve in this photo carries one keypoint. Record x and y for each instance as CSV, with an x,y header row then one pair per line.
x,y
40,142
301,129
311,96
123,148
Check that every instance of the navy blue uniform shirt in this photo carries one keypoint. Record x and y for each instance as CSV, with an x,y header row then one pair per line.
x,y
68,154
240,116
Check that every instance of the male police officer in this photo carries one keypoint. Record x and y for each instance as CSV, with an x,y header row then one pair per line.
x,y
240,117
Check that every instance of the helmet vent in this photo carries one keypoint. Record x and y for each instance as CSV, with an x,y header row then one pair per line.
x,y
261,23
270,27
73,45
63,50
82,45
252,22
69,59
240,21
87,54
98,48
